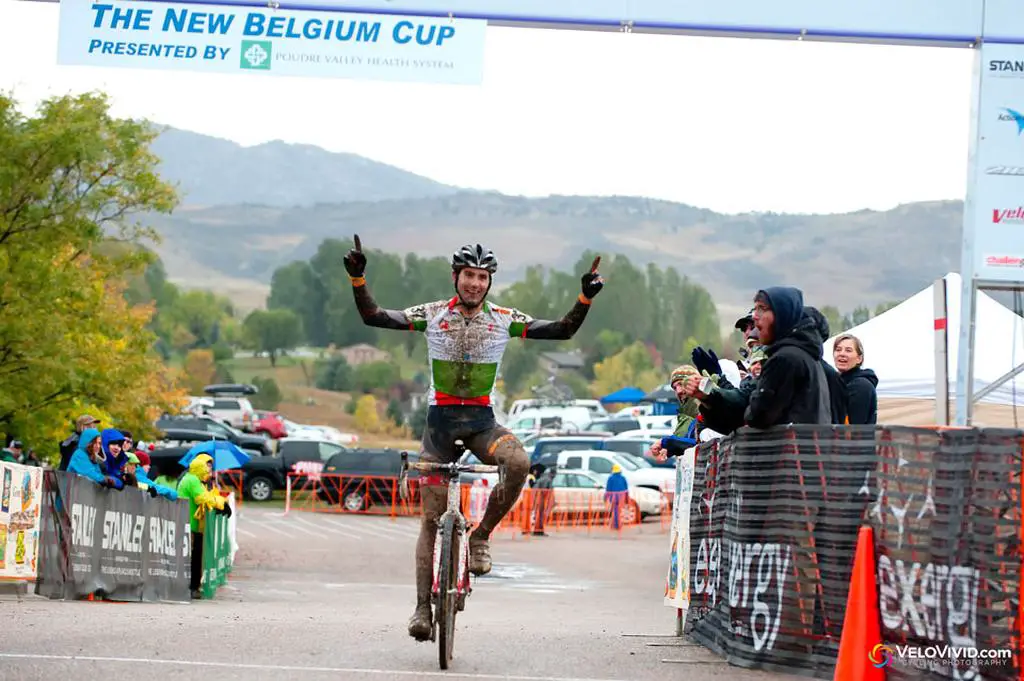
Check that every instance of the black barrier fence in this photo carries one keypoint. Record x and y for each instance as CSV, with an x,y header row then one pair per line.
x,y
773,529
122,545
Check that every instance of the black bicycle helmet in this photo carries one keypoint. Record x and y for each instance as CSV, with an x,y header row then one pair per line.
x,y
475,256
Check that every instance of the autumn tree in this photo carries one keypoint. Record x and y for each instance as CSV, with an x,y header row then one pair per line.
x,y
200,370
367,418
632,366
71,177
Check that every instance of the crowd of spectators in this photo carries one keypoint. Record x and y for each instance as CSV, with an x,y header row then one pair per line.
x,y
784,378
111,458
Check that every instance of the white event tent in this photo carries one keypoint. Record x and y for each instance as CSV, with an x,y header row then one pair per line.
x,y
899,345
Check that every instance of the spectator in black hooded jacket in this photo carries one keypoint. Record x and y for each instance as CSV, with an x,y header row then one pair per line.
x,y
860,383
836,387
792,387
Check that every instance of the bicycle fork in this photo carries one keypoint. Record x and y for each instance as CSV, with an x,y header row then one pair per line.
x,y
462,581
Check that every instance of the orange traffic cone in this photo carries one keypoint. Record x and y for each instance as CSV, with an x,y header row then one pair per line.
x,y
862,656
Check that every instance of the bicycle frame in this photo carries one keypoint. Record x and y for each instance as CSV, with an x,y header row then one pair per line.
x,y
462,584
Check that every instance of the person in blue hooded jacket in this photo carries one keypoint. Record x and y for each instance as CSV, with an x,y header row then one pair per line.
x,y
115,457
792,387
87,458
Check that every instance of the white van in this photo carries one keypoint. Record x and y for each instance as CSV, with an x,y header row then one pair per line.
x,y
566,419
595,407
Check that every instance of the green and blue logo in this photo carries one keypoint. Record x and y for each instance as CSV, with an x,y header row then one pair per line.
x,y
256,54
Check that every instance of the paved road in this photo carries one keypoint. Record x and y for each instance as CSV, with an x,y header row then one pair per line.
x,y
316,596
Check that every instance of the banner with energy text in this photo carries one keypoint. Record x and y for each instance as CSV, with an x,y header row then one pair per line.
x,y
213,38
19,519
774,520
123,545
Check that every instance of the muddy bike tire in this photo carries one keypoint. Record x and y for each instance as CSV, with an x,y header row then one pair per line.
x,y
446,601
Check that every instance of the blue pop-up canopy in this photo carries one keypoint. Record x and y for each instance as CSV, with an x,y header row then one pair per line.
x,y
628,395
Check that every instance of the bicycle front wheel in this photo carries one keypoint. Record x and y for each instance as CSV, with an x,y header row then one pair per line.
x,y
446,601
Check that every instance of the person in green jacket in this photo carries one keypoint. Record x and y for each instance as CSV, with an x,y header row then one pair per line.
x,y
689,407
200,500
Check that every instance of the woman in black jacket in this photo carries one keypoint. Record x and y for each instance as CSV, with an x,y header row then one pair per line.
x,y
861,397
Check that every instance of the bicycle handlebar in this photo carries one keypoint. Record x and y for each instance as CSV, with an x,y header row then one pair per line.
x,y
431,467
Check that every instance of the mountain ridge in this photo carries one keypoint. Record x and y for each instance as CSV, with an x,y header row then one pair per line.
x,y
239,221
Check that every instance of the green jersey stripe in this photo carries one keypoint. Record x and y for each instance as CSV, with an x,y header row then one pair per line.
x,y
463,379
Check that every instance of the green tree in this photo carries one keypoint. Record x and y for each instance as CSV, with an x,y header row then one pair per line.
x,y
418,420
834,318
192,319
70,176
394,412
860,315
882,308
273,331
269,395
335,374
376,376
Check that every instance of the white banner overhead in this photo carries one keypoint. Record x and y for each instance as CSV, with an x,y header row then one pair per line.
x,y
240,40
949,22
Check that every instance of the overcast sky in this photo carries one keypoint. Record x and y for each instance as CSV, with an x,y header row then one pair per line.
x,y
727,124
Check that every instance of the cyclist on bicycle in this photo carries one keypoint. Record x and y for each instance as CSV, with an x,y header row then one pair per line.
x,y
466,339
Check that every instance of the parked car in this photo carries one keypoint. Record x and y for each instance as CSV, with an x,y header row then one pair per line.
x,y
231,405
180,428
270,423
265,475
577,490
367,477
613,425
601,462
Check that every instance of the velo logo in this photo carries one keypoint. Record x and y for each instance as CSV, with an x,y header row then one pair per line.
x,y
256,54
880,655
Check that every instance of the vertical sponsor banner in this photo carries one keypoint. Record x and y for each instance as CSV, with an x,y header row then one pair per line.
x,y
998,183
19,519
677,588
215,38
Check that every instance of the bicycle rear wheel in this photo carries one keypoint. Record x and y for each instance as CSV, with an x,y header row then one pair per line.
x,y
446,600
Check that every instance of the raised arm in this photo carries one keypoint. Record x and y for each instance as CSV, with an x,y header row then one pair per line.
x,y
372,314
566,327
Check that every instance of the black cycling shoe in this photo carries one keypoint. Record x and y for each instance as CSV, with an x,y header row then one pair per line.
x,y
421,624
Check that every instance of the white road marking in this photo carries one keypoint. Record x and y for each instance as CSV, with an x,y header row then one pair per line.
x,y
290,525
245,533
325,528
289,668
355,530
268,526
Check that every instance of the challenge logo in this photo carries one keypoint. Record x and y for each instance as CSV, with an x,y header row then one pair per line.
x,y
256,54
880,655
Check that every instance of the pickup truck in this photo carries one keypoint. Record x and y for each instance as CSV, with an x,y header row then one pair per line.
x,y
263,475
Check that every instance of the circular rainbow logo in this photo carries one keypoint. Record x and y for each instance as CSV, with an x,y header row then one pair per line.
x,y
880,655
